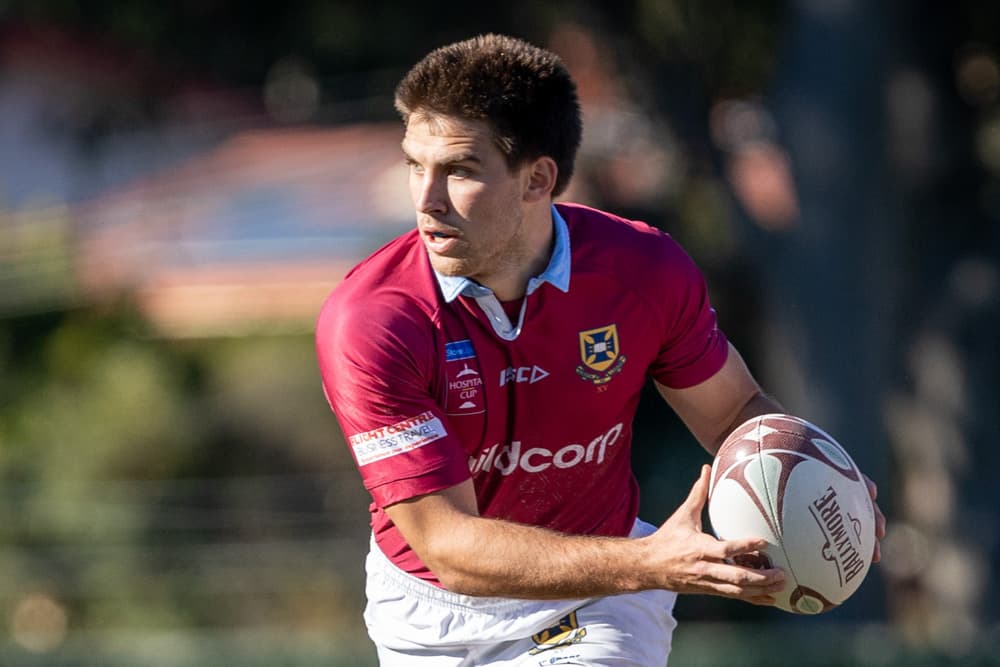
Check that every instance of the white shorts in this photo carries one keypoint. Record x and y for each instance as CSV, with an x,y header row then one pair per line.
x,y
416,624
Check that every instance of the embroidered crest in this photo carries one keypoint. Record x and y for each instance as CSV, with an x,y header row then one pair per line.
x,y
564,633
600,352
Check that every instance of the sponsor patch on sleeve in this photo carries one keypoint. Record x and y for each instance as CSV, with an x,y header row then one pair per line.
x,y
459,349
398,438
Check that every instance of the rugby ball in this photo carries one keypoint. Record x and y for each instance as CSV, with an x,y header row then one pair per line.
x,y
783,479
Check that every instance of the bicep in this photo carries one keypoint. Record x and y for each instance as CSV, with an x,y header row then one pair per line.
x,y
712,408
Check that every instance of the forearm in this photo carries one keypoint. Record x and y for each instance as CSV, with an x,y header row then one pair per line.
x,y
487,557
479,556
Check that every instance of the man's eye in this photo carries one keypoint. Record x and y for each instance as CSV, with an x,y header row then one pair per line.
x,y
460,172
414,167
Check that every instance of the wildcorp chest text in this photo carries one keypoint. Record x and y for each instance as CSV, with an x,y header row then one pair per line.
x,y
509,458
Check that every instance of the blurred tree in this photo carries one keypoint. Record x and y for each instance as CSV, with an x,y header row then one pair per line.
x,y
93,404
943,99
155,484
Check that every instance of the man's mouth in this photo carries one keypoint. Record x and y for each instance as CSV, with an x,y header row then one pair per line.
x,y
439,242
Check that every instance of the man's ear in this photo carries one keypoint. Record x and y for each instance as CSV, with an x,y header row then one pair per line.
x,y
541,178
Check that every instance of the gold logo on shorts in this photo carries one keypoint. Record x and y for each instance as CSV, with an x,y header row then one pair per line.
x,y
567,631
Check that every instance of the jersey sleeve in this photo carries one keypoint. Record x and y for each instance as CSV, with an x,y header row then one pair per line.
x,y
376,364
692,348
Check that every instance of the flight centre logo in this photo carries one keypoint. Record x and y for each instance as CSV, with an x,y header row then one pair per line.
x,y
564,633
601,355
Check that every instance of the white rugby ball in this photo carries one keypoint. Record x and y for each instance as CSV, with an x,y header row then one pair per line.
x,y
783,479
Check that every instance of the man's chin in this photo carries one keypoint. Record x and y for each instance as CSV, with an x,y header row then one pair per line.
x,y
449,266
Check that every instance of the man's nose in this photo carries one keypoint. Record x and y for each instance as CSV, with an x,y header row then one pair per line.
x,y
431,194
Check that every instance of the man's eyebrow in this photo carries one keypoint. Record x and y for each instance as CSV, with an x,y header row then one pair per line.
x,y
462,157
453,159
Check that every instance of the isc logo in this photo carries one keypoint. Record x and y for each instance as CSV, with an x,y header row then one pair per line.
x,y
529,374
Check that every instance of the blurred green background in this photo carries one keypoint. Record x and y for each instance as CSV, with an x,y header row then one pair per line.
x,y
182,183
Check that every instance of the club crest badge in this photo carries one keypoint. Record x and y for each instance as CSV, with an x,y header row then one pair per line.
x,y
601,354
564,633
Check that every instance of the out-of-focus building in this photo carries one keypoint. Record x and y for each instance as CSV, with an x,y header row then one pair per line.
x,y
252,235
121,177
79,115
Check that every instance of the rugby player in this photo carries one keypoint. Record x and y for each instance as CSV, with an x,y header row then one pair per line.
x,y
485,369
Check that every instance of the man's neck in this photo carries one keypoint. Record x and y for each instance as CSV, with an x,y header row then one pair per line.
x,y
539,241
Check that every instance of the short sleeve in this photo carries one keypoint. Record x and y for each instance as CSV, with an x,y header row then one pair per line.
x,y
692,348
376,361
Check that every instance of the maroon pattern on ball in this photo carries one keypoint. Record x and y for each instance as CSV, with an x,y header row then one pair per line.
x,y
755,561
802,591
738,475
788,462
797,435
735,450
786,438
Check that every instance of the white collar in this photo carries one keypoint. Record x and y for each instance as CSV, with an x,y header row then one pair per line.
x,y
557,272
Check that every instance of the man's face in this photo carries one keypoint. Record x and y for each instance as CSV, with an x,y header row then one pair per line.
x,y
467,201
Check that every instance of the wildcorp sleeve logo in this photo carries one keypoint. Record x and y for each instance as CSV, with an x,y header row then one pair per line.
x,y
398,438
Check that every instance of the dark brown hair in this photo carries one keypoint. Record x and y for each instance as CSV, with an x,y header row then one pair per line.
x,y
524,93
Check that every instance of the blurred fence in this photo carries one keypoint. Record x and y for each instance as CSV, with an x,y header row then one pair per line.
x,y
810,642
237,570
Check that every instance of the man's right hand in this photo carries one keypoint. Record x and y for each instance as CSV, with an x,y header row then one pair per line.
x,y
488,557
692,561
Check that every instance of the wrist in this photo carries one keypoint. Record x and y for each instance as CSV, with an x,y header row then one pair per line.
x,y
641,574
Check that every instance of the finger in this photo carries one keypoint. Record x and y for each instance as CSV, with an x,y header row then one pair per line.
x,y
879,523
879,518
748,593
771,580
743,545
879,534
694,504
872,487
762,600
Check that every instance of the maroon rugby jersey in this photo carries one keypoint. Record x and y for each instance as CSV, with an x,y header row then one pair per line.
x,y
429,392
